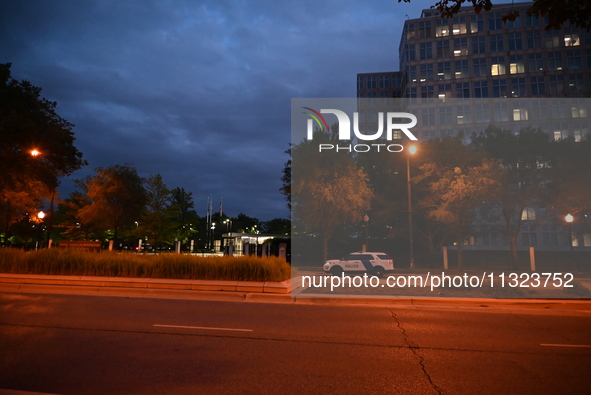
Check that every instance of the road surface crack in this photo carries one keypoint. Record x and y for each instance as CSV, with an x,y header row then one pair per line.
x,y
414,348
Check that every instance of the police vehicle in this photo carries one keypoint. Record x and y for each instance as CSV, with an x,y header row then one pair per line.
x,y
372,263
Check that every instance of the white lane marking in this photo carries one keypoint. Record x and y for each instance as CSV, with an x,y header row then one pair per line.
x,y
204,327
566,345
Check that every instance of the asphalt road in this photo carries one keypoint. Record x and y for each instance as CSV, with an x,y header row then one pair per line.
x,y
64,344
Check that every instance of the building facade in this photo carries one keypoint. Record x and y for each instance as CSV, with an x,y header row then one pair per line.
x,y
462,74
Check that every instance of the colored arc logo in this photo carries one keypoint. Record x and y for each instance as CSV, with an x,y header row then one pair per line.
x,y
317,117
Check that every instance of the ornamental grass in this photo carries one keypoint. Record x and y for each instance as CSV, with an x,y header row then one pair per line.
x,y
57,261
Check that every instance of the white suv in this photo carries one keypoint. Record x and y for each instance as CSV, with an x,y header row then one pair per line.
x,y
373,263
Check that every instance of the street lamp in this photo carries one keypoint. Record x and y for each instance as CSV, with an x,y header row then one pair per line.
x,y
228,223
366,220
211,246
411,151
40,216
569,220
34,153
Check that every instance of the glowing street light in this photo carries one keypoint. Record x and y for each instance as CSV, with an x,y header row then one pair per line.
x,y
34,153
411,151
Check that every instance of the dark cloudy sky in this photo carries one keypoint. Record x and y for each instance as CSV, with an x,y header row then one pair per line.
x,y
198,91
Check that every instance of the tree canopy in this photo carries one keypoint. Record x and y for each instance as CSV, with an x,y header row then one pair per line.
x,y
36,144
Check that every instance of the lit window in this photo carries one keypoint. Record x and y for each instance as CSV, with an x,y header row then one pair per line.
x,y
442,28
571,40
516,64
578,111
460,46
520,114
498,66
459,28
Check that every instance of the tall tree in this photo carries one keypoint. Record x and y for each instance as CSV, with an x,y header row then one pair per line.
x,y
328,189
117,198
29,122
185,217
68,214
459,180
524,157
285,189
156,223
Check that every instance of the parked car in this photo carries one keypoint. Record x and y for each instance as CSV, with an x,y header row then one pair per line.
x,y
373,263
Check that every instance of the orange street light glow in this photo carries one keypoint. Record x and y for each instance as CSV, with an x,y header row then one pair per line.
x,y
41,215
412,149
35,152
569,218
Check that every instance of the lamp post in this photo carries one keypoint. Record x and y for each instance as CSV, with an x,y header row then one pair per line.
x,y
35,153
411,151
40,216
212,245
366,220
569,220
228,223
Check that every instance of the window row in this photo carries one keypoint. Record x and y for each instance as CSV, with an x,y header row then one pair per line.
x,y
385,81
511,87
501,112
487,44
496,65
463,25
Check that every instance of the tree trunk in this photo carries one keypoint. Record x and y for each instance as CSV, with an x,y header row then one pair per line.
x,y
460,255
513,262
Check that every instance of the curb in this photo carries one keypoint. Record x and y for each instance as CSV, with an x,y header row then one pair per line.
x,y
284,287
